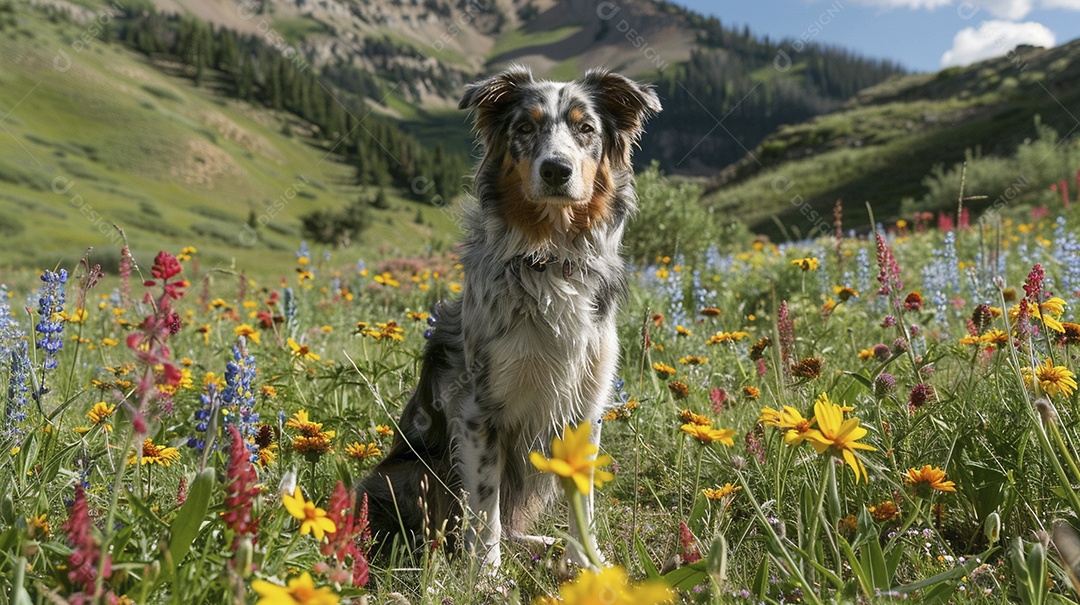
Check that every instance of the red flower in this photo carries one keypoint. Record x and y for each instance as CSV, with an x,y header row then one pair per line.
x,y
165,266
83,561
241,490
687,543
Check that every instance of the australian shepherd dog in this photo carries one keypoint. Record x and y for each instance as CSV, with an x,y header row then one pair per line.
x,y
530,345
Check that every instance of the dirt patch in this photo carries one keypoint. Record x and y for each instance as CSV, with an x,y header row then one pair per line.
x,y
204,164
234,133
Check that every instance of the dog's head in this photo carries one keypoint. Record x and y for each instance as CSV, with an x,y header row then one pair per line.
x,y
557,143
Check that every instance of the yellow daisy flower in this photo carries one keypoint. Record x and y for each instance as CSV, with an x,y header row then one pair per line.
x,y
313,520
573,457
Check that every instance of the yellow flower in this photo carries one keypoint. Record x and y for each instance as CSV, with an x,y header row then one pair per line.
x,y
300,591
927,478
720,337
663,370
313,520
384,430
574,457
681,331
884,511
691,418
363,452
707,434
721,492
797,427
806,264
248,332
838,435
693,360
387,279
155,454
609,586
100,412
301,351
751,392
844,293
1054,380
1050,312
77,316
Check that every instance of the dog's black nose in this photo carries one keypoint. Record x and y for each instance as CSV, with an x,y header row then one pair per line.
x,y
555,172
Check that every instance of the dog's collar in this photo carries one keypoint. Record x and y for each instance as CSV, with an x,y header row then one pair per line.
x,y
539,263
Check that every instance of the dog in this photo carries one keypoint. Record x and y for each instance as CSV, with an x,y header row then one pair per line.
x,y
530,345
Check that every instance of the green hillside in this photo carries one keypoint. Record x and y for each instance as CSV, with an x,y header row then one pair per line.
x,y
95,134
886,146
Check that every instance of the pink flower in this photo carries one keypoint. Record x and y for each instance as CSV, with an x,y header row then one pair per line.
x,y
786,329
688,544
83,561
718,397
241,489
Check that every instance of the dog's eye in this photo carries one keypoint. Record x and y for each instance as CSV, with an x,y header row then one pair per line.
x,y
525,127
586,128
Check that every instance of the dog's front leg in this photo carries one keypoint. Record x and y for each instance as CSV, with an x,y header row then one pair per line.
x,y
573,553
481,473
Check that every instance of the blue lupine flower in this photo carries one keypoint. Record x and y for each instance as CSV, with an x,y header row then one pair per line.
x,y
10,334
18,392
289,305
1067,253
621,396
862,271
237,396
203,415
50,305
941,276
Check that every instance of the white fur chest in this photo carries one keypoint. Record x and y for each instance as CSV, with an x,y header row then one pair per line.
x,y
544,346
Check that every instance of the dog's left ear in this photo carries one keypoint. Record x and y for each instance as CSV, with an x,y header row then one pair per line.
x,y
624,105
492,96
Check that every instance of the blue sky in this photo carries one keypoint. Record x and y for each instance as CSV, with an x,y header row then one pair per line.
x,y
923,35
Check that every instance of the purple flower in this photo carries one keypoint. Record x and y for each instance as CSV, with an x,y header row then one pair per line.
x,y
882,352
51,325
920,395
884,384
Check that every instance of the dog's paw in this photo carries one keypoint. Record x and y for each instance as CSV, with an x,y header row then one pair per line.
x,y
575,555
533,543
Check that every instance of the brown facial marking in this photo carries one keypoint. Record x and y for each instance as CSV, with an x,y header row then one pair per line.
x,y
516,209
598,209
575,115
537,114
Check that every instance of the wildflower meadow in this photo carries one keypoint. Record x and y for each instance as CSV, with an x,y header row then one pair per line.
x,y
864,417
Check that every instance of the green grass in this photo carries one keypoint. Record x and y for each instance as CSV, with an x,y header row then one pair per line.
x,y
518,39
798,521
882,144
114,132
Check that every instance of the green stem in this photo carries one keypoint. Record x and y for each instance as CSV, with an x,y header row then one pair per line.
x,y
906,525
110,517
577,503
785,554
815,519
1064,450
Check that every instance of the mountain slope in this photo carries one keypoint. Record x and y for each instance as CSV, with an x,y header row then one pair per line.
x,y
96,135
886,141
422,54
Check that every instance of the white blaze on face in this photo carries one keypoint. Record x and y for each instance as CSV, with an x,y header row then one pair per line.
x,y
558,144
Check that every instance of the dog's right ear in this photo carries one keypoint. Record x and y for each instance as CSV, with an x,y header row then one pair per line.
x,y
491,96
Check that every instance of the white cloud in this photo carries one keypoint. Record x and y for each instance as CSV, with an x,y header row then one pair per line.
x,y
1065,4
1012,10
912,4
993,39
966,9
